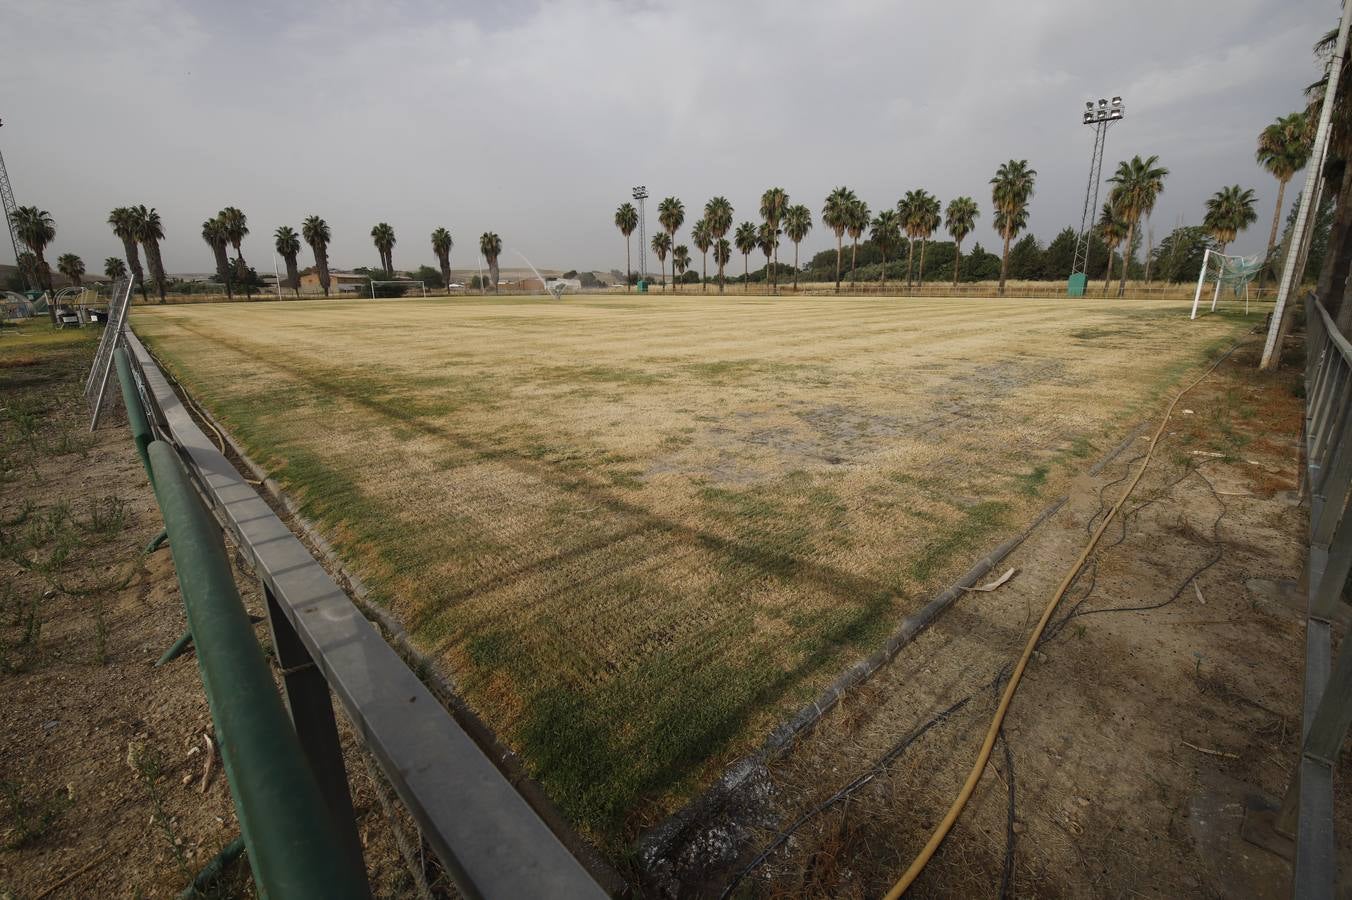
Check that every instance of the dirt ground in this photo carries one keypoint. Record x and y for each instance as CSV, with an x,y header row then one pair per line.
x,y
103,781
1166,693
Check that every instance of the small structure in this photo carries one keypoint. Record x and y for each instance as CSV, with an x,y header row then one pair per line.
x,y
339,283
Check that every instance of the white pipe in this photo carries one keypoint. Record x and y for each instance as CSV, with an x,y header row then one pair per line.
x,y
1201,276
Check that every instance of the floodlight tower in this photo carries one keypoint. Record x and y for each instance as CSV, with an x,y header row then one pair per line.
x,y
641,194
7,196
1099,117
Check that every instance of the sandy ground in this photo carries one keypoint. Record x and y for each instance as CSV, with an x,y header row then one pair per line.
x,y
102,755
1137,734
636,534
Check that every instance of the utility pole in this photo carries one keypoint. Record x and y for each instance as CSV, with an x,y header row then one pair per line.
x,y
1099,118
7,196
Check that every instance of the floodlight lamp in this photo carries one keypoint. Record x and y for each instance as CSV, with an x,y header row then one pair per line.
x,y
1117,101
1102,103
1115,114
1089,104
1088,118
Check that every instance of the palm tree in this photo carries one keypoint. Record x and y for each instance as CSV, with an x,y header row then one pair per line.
x,y
121,220
114,268
960,220
885,234
767,239
1012,188
856,225
908,218
797,224
703,239
72,267
1112,227
661,244
213,232
671,215
1136,187
490,245
626,219
316,233
37,230
236,229
680,260
28,269
150,231
836,216
442,242
773,203
1228,212
745,239
928,218
382,235
722,254
1283,149
288,245
718,214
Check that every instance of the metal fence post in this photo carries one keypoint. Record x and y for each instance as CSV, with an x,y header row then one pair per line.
x,y
307,700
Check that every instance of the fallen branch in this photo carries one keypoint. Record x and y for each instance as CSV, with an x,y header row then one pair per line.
x,y
1219,753
1009,573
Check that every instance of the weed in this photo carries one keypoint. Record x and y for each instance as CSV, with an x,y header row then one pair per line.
x,y
107,516
149,765
1031,484
29,820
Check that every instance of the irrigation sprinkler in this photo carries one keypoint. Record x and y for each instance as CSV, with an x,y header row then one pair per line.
x,y
1099,117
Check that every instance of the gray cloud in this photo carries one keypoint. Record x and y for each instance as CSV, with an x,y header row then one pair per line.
x,y
534,119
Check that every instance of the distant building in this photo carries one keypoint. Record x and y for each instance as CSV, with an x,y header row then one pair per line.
x,y
339,283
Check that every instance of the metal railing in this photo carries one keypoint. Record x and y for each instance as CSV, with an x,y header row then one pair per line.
x,y
285,763
1307,810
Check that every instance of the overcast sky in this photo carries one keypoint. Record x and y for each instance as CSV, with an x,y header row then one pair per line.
x,y
535,119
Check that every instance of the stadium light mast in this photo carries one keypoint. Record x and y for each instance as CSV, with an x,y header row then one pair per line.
x,y
1099,116
641,194
7,197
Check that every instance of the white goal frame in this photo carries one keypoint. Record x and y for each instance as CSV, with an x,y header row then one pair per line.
x,y
1213,268
422,285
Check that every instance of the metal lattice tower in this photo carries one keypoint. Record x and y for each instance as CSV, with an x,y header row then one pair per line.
x,y
7,196
641,194
1100,118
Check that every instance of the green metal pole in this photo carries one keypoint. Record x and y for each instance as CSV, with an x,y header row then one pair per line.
x,y
294,847
136,414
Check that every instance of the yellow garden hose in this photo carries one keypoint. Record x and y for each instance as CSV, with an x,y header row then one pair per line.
x,y
941,831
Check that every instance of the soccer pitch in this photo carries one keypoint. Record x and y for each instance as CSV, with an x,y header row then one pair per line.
x,y
637,532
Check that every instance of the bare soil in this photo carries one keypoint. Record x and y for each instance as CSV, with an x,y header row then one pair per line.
x,y
1166,694
104,789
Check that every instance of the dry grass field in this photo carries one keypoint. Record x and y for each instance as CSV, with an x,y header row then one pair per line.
x,y
637,532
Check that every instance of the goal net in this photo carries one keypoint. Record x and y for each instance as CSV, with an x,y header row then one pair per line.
x,y
1222,271
387,290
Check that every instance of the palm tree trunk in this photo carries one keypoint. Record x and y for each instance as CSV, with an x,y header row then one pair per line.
x,y
840,240
795,267
134,263
910,260
1004,266
854,255
446,271
1276,214
1149,249
746,273
924,245
774,276
1109,277
322,264
720,278
882,278
704,273
957,259
1126,258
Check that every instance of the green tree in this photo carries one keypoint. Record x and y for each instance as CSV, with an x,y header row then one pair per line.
x,y
908,216
150,231
114,268
703,238
886,234
490,245
1228,212
382,235
746,239
797,224
670,215
316,233
442,242
287,243
718,214
1137,184
858,222
72,267
1179,256
626,219
236,228
124,228
1059,257
213,233
1011,189
960,220
927,219
429,276
1026,259
1283,150
680,261
37,230
1112,227
773,203
661,246
836,214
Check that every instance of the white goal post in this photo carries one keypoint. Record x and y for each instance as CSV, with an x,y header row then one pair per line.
x,y
1233,271
422,286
